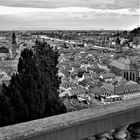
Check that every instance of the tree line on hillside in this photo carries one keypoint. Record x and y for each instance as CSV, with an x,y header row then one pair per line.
x,y
134,36
33,89
135,32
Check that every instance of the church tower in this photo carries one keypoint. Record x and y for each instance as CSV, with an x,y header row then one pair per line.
x,y
14,45
118,47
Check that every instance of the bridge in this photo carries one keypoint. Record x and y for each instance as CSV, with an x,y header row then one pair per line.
x,y
121,119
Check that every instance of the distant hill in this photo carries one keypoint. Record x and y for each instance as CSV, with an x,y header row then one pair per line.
x,y
134,33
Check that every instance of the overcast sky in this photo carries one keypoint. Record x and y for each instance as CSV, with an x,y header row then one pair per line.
x,y
69,14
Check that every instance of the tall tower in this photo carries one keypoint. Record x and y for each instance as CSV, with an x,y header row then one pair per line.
x,y
118,47
14,44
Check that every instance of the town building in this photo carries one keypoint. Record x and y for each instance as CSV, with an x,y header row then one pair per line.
x,y
125,67
4,53
128,91
14,46
118,48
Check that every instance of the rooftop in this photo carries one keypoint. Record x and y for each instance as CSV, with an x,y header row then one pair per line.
x,y
124,63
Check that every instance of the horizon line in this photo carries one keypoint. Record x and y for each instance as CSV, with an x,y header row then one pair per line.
x,y
65,29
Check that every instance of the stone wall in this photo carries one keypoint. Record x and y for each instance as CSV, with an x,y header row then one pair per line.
x,y
76,125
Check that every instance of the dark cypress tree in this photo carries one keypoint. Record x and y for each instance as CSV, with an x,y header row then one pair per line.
x,y
25,92
6,110
48,60
33,90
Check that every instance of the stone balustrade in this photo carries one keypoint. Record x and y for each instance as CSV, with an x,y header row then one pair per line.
x,y
122,118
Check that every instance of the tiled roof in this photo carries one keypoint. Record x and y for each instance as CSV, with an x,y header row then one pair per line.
x,y
90,68
108,86
77,91
125,64
131,83
73,76
101,91
107,75
75,65
84,82
128,89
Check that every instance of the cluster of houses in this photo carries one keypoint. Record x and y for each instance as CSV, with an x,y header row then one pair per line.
x,y
89,73
85,75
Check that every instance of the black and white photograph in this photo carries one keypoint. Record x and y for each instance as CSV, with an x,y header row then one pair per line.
x,y
69,69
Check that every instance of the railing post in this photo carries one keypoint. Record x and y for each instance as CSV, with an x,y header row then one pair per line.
x,y
103,136
120,134
135,131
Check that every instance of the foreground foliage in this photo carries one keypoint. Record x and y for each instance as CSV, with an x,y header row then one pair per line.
x,y
33,90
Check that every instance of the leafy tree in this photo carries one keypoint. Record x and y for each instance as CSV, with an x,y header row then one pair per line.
x,y
73,104
134,33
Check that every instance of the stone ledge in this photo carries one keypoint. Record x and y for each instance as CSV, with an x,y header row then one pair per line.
x,y
76,125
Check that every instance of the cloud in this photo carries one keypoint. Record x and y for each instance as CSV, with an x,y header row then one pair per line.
x,y
101,4
64,22
127,4
82,16
68,16
117,11
4,10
